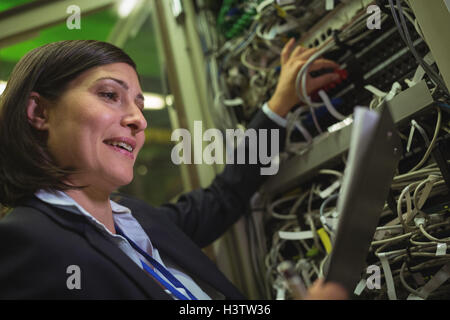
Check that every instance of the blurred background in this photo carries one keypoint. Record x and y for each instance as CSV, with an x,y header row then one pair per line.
x,y
126,25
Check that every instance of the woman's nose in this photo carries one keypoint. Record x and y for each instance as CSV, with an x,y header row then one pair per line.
x,y
134,118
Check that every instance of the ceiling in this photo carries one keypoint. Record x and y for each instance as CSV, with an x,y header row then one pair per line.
x,y
142,48
7,4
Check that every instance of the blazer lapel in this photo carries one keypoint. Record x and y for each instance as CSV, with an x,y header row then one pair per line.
x,y
183,252
102,245
128,267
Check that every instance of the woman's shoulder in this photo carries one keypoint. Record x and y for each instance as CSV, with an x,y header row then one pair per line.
x,y
22,216
31,226
23,222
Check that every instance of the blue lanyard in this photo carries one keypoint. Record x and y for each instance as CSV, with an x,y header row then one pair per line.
x,y
161,269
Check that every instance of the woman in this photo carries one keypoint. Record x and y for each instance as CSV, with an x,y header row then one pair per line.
x,y
71,127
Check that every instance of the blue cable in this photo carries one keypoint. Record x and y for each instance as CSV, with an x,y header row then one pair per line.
x,y
441,104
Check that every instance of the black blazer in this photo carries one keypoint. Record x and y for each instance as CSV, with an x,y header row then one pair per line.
x,y
39,241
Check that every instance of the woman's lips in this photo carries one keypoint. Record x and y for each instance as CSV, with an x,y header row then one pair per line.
x,y
124,145
122,151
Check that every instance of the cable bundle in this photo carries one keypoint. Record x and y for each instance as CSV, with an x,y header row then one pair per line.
x,y
243,66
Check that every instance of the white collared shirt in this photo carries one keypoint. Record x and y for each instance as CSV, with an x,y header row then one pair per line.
x,y
279,120
130,226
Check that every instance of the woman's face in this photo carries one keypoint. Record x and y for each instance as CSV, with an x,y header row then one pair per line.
x,y
97,126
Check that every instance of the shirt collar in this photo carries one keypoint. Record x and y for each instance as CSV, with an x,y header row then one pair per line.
x,y
61,199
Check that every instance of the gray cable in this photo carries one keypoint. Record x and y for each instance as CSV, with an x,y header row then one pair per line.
x,y
322,209
436,77
404,33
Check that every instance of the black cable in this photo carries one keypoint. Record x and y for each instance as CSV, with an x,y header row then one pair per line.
x,y
433,75
404,34
355,71
382,5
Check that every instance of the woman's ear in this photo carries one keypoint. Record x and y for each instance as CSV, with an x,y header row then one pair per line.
x,y
37,114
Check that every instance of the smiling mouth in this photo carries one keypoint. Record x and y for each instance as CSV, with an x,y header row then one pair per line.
x,y
121,147
120,144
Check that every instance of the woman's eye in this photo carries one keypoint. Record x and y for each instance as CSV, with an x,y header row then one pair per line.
x,y
109,95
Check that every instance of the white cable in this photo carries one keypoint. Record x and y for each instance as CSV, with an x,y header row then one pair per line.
x,y
249,65
436,281
428,183
300,81
282,216
332,172
388,276
233,102
407,195
293,120
432,143
375,91
330,107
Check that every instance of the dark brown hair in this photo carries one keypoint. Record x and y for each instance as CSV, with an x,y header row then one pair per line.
x,y
25,163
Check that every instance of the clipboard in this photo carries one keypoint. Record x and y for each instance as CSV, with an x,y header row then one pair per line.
x,y
375,150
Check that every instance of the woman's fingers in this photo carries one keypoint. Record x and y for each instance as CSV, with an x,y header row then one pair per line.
x,y
321,290
305,53
287,50
321,81
323,64
292,59
298,53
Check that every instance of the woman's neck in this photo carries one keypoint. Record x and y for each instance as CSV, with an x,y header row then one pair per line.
x,y
96,203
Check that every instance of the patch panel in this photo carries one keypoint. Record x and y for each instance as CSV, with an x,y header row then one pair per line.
x,y
373,61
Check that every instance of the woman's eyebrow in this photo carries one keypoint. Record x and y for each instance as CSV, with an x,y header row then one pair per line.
x,y
123,84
